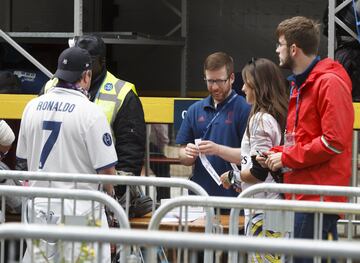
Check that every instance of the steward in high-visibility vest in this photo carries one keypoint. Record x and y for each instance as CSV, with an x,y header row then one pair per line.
x,y
121,105
109,97
125,114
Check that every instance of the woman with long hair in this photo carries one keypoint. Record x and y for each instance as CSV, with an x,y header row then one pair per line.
x,y
265,89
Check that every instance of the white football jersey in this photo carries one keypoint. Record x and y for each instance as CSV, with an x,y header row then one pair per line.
x,y
62,131
265,133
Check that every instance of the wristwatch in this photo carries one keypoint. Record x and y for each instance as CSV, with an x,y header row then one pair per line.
x,y
231,177
234,175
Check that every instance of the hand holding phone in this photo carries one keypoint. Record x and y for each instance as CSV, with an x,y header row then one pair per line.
x,y
262,154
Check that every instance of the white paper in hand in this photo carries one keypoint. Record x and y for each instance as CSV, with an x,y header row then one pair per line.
x,y
209,168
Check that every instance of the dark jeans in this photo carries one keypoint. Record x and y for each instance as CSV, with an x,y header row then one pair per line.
x,y
304,228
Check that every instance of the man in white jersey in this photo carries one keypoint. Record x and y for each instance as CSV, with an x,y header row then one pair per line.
x,y
62,131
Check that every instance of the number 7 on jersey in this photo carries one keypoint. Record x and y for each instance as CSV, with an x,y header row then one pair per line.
x,y
54,127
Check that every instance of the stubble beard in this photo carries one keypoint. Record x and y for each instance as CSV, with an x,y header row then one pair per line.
x,y
287,63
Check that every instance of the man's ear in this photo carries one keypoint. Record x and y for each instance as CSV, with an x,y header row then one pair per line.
x,y
232,78
89,75
294,50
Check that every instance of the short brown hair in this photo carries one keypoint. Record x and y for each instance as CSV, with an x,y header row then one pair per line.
x,y
301,31
217,60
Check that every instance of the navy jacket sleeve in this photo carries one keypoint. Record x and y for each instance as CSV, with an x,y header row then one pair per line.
x,y
130,135
186,132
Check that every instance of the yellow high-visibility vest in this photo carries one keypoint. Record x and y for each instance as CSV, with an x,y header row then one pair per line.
x,y
111,95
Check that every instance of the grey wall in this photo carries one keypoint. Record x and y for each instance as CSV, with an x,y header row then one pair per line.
x,y
48,16
155,70
242,28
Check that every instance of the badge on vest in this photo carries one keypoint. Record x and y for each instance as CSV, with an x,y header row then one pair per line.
x,y
108,86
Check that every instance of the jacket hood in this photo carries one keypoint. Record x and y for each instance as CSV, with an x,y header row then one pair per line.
x,y
328,65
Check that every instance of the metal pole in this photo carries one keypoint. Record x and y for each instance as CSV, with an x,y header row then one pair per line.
x,y
147,155
78,17
183,87
331,28
354,181
25,54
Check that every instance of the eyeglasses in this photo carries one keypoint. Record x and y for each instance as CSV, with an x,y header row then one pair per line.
x,y
219,82
279,44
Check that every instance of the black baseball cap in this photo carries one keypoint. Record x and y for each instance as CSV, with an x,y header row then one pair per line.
x,y
72,63
92,43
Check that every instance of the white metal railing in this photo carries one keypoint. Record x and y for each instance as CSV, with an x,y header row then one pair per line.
x,y
293,189
251,203
107,179
64,194
196,241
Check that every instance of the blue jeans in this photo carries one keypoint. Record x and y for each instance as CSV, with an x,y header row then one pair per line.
x,y
304,228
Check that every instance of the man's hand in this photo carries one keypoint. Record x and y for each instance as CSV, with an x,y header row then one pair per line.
x,y
209,148
274,162
191,151
109,189
261,158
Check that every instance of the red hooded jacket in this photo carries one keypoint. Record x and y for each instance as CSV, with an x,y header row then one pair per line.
x,y
323,135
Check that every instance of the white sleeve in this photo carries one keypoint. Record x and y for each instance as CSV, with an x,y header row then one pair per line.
x,y
21,148
266,135
7,136
100,143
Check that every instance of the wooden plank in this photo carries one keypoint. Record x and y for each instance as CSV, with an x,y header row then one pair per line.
x,y
196,226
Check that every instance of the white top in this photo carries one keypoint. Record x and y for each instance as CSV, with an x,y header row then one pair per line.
x,y
62,131
265,132
7,136
159,135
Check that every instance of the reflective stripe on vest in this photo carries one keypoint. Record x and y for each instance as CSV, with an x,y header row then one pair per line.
x,y
50,84
112,94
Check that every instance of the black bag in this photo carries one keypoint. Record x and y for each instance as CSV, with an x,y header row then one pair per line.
x,y
139,204
348,54
13,203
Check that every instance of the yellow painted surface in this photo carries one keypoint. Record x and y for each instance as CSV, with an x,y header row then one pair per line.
x,y
357,115
12,106
160,110
157,110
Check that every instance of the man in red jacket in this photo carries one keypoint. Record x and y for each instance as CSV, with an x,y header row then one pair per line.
x,y
318,137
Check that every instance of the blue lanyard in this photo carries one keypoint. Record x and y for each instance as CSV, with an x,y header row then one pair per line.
x,y
297,105
218,113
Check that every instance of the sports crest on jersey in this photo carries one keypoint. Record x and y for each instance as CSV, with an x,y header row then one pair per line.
x,y
107,139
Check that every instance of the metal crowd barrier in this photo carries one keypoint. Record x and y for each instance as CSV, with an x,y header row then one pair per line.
x,y
63,194
250,203
322,190
117,180
107,179
241,244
